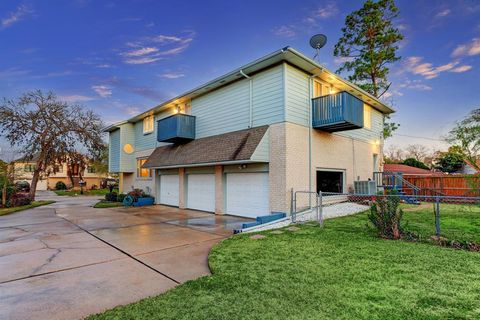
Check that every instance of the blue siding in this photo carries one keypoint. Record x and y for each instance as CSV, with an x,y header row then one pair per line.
x,y
268,97
114,151
144,141
337,112
366,134
297,98
127,135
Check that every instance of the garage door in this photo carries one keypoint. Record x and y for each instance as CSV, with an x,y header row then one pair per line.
x,y
169,189
201,192
42,184
247,194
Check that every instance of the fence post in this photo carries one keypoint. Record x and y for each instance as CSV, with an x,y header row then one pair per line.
x,y
293,205
436,206
320,208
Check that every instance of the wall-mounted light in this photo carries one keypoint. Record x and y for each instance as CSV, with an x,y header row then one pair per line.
x,y
242,166
177,109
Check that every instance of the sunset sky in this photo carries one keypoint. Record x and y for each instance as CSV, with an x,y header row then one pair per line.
x,y
122,57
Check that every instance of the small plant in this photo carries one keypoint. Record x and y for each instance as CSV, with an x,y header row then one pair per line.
x,y
111,196
136,193
60,185
386,216
121,196
19,199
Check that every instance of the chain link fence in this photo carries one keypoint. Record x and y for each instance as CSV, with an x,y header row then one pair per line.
x,y
425,216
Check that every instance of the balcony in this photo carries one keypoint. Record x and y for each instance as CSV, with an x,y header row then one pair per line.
x,y
337,112
179,128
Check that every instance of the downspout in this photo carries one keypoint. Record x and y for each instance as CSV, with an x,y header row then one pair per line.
x,y
310,128
250,85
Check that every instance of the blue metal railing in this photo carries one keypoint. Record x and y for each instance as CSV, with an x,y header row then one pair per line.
x,y
176,128
339,111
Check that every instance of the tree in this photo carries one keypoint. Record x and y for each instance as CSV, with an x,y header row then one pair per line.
x,y
417,151
412,162
101,163
47,130
368,45
450,161
394,154
466,137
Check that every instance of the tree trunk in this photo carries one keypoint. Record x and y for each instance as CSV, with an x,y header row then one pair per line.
x,y
33,186
4,193
70,175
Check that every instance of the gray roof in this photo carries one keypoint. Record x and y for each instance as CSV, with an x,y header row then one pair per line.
x,y
227,147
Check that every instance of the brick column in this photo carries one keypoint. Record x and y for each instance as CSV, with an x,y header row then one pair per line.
x,y
181,188
219,207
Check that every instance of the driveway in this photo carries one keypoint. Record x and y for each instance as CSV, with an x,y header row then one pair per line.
x,y
68,260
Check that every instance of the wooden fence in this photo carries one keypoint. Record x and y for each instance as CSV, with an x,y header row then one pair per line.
x,y
448,185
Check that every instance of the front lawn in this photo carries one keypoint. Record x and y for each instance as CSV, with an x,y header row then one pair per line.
x,y
342,271
457,222
74,193
107,204
4,211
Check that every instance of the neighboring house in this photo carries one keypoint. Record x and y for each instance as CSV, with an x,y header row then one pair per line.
x,y
24,172
407,170
468,168
241,143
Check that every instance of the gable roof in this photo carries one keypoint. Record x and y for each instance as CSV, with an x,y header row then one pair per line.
x,y
403,168
286,54
237,146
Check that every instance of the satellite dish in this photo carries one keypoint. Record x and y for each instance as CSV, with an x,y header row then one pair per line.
x,y
317,42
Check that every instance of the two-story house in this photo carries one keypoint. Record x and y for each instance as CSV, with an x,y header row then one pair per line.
x,y
240,143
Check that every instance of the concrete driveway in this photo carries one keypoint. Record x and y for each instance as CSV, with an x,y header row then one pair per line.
x,y
68,260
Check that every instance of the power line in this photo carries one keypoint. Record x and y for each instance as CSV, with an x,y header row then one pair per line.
x,y
418,137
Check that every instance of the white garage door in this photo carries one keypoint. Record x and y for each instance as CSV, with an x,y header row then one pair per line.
x,y
41,184
247,194
201,192
169,189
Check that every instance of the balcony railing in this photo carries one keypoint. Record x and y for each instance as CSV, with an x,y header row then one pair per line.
x,y
337,112
179,128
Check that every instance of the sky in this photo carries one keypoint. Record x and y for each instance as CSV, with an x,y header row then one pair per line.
x,y
120,58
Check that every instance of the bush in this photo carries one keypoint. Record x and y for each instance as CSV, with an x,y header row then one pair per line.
x,y
386,216
136,193
94,187
60,185
111,196
19,199
120,197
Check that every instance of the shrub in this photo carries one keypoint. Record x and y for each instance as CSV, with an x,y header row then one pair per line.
x,y
136,193
386,216
94,187
60,185
111,196
120,197
19,199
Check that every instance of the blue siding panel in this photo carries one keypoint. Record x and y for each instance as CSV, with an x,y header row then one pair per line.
x,y
114,151
297,96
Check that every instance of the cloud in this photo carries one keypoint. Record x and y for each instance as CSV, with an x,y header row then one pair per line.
x,y
284,31
75,98
468,49
132,111
461,69
172,75
340,60
144,91
154,48
16,16
416,66
327,11
103,91
443,13
13,73
415,85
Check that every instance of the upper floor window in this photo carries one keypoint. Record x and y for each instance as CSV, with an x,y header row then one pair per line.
x,y
367,116
143,172
320,89
29,167
91,169
148,124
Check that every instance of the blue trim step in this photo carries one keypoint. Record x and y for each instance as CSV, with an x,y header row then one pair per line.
x,y
264,219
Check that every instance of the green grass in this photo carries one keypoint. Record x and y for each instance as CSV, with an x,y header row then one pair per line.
x,y
75,193
107,204
457,222
4,211
342,271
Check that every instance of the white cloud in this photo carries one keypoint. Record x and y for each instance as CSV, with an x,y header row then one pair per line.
x,y
17,16
468,49
172,75
284,31
417,66
415,85
13,73
324,12
132,111
75,98
443,13
157,47
102,91
461,69
340,60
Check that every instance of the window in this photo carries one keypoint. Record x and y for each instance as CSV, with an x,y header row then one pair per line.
x,y
58,169
317,89
142,172
148,124
91,169
29,168
367,116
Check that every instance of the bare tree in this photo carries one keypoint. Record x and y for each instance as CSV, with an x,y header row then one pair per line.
x,y
7,172
394,154
47,130
418,152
